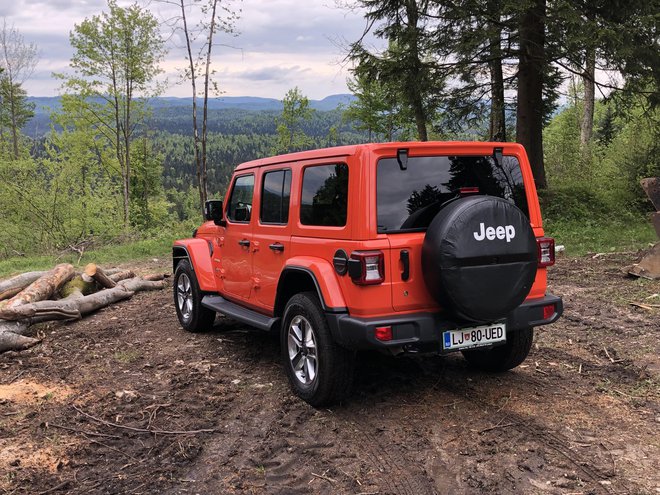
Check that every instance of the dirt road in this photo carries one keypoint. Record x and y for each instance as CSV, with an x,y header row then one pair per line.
x,y
581,416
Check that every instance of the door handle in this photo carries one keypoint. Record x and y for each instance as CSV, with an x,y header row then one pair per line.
x,y
244,242
404,256
277,247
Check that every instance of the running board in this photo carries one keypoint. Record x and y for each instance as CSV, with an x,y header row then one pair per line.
x,y
244,315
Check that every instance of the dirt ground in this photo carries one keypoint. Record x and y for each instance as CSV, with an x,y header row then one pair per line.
x,y
125,402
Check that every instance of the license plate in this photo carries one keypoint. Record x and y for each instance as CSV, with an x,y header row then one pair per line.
x,y
467,338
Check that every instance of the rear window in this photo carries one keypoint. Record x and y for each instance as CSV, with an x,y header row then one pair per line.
x,y
409,199
324,195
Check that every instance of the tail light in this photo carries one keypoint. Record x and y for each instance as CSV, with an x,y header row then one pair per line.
x,y
367,267
546,251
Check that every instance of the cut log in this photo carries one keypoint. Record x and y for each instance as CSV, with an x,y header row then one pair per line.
x,y
76,306
122,275
93,272
42,288
12,286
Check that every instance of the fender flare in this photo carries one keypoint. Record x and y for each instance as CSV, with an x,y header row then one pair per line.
x,y
198,252
324,278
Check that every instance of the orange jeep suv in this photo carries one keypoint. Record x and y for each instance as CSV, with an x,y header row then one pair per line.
x,y
401,247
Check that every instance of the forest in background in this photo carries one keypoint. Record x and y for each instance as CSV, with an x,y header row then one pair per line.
x,y
114,163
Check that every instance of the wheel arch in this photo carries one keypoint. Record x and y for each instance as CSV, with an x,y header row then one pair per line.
x,y
318,277
198,252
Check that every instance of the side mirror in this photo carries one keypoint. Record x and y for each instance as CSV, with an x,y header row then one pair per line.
x,y
213,211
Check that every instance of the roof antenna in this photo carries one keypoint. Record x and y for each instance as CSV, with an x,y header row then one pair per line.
x,y
402,158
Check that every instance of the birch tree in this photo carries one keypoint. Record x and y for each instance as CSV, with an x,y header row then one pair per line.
x,y
116,61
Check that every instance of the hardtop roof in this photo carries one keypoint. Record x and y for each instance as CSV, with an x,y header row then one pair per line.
x,y
342,151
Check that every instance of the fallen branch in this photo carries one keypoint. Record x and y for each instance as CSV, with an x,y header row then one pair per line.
x,y
145,430
11,287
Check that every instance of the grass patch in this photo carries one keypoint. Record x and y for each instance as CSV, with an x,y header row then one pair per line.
x,y
599,236
127,356
110,255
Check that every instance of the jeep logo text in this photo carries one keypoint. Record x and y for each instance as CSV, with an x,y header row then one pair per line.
x,y
491,233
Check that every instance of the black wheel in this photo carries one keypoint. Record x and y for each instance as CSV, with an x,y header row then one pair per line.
x,y
188,300
319,370
504,357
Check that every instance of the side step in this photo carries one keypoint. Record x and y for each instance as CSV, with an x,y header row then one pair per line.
x,y
244,315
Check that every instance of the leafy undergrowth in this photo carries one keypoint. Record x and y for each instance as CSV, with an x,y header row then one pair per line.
x,y
113,254
588,236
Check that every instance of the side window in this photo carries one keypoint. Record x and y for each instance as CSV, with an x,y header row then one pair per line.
x,y
324,195
275,195
240,203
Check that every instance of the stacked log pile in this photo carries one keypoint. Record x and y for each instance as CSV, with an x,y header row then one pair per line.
x,y
61,294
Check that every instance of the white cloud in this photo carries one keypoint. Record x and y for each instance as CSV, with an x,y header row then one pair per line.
x,y
282,43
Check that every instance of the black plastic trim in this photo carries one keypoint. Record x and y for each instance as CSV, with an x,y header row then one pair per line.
x,y
326,308
425,329
174,258
240,313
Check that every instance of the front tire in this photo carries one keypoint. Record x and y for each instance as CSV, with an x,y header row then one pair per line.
x,y
319,370
188,300
504,357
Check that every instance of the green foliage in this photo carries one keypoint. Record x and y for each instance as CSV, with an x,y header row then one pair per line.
x,y
115,62
603,180
290,136
120,252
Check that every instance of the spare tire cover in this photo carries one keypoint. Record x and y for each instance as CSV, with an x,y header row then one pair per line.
x,y
479,258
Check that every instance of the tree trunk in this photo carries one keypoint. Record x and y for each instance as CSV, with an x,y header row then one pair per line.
x,y
497,131
588,79
414,96
42,288
529,122
204,178
11,287
193,83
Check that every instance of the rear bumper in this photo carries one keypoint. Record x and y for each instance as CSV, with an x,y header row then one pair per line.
x,y
423,331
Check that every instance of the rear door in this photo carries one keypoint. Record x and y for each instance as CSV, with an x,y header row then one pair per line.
x,y
271,234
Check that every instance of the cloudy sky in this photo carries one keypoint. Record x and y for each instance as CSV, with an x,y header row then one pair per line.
x,y
281,44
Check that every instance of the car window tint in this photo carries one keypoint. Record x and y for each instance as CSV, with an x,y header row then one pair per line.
x,y
409,199
240,203
275,195
324,198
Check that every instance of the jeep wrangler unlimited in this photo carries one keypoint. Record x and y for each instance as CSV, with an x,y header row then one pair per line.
x,y
401,247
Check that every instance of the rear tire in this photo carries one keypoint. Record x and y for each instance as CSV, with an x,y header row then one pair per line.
x,y
188,300
319,370
504,357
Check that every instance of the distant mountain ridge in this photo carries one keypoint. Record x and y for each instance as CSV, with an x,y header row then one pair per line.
x,y
45,104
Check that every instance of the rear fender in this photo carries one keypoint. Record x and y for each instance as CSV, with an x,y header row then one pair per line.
x,y
325,279
198,252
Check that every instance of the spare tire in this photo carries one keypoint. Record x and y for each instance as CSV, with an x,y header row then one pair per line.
x,y
479,258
